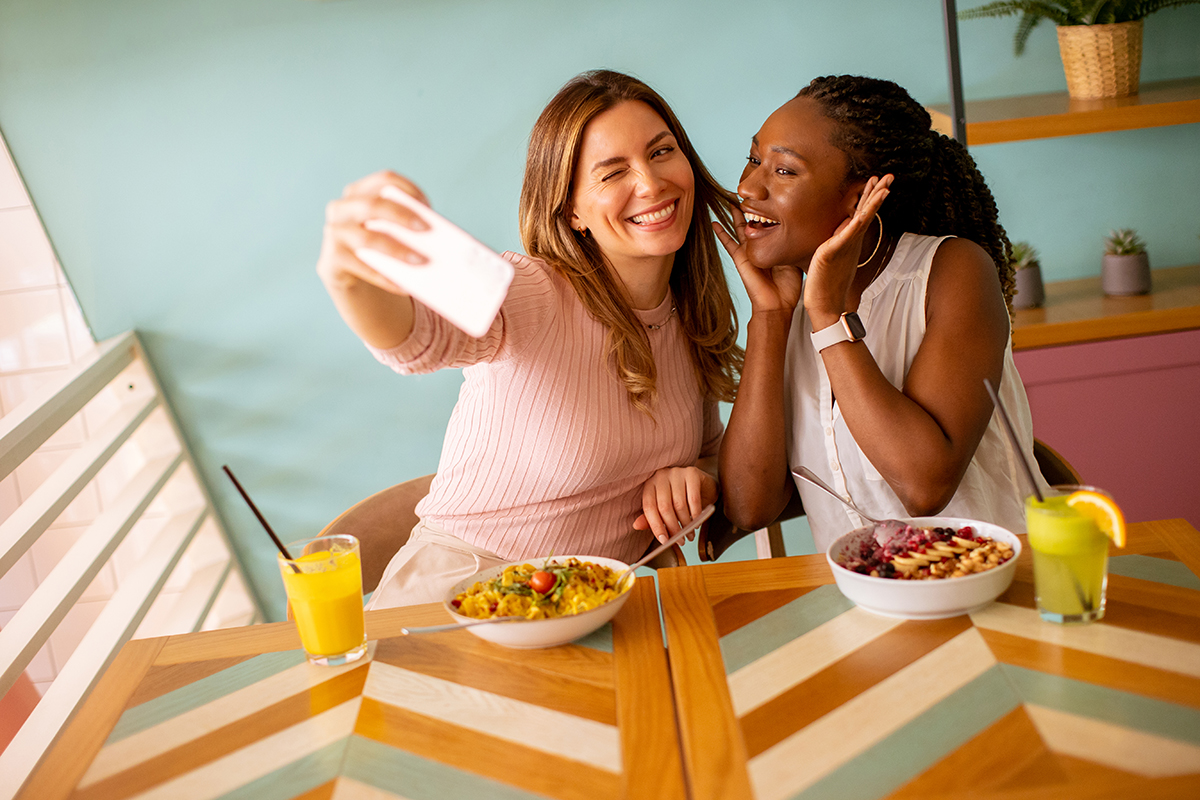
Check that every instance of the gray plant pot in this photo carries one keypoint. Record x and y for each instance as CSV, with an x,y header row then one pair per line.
x,y
1031,293
1121,275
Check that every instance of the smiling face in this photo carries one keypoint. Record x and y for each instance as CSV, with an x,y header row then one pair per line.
x,y
794,186
633,187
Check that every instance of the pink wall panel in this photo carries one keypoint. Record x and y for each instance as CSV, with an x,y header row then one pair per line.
x,y
1124,413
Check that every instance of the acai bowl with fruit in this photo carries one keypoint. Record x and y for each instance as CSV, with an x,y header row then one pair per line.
x,y
926,568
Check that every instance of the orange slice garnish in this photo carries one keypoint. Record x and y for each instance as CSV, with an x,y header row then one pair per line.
x,y
1100,508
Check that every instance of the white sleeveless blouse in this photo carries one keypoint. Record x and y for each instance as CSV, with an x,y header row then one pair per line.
x,y
893,311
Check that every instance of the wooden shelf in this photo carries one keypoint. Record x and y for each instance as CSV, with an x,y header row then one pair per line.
x,y
1042,116
1078,311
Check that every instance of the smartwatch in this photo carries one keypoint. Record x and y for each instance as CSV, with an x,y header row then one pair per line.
x,y
848,328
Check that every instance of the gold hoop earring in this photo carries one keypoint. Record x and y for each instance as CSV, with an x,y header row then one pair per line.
x,y
877,242
583,232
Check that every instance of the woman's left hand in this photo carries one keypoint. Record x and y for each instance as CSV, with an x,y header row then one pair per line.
x,y
834,264
673,496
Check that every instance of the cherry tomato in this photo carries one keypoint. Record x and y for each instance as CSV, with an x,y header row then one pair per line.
x,y
542,582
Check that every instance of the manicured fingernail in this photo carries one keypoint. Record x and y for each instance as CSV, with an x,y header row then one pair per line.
x,y
414,258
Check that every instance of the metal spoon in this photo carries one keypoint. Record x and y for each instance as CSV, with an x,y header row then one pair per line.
x,y
684,530
882,526
455,625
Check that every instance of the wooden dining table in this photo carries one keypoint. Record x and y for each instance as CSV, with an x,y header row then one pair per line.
x,y
785,689
771,685
240,713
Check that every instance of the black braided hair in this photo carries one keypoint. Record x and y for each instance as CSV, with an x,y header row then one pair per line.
x,y
937,189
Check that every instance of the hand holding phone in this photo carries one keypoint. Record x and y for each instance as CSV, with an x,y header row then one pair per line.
x,y
463,280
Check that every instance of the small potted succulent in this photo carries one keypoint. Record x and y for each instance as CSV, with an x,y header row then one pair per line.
x,y
1126,268
1031,292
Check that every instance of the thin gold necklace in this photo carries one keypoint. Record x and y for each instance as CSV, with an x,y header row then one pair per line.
x,y
664,322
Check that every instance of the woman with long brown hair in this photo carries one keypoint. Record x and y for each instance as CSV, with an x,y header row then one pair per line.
x,y
588,417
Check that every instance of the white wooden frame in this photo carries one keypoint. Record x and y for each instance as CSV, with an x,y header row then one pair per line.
x,y
22,431
768,542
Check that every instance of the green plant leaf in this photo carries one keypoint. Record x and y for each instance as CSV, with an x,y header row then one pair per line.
x,y
1123,242
1068,12
1024,28
1024,255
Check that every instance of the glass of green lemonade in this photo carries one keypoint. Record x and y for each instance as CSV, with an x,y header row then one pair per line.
x,y
1070,557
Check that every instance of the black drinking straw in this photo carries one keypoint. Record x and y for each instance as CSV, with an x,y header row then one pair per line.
x,y
1012,435
261,518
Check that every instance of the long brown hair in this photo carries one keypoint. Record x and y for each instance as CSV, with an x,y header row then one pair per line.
x,y
938,190
697,280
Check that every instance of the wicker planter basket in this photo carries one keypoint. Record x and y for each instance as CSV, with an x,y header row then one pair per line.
x,y
1101,60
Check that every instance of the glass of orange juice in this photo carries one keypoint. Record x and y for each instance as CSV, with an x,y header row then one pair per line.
x,y
324,591
1069,534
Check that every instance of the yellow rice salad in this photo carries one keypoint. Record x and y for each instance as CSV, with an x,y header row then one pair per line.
x,y
553,590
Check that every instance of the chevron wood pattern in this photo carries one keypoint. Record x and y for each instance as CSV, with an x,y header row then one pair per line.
x,y
444,716
786,690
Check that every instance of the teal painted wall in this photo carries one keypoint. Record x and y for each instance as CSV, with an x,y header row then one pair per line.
x,y
181,154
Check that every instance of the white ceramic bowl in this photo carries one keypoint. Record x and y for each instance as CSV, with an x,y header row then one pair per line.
x,y
933,599
535,633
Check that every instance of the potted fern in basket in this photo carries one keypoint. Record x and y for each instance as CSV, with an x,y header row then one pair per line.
x,y
1030,291
1100,40
1126,266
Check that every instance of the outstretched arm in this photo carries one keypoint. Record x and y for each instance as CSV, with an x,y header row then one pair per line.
x,y
374,307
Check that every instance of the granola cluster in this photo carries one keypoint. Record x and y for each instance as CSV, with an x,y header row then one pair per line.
x,y
928,554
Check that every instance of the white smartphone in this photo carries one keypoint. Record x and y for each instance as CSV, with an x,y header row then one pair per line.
x,y
463,280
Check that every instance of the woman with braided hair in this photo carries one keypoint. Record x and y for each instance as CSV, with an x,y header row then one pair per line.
x,y
880,282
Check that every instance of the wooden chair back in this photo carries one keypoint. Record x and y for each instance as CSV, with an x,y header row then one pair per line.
x,y
1055,469
718,534
382,524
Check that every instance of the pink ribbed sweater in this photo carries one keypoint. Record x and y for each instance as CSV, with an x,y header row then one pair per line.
x,y
544,452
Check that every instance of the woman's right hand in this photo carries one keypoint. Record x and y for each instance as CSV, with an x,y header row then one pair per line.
x,y
774,289
376,309
348,227
672,495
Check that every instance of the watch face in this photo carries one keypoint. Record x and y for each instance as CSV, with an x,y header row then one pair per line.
x,y
855,325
